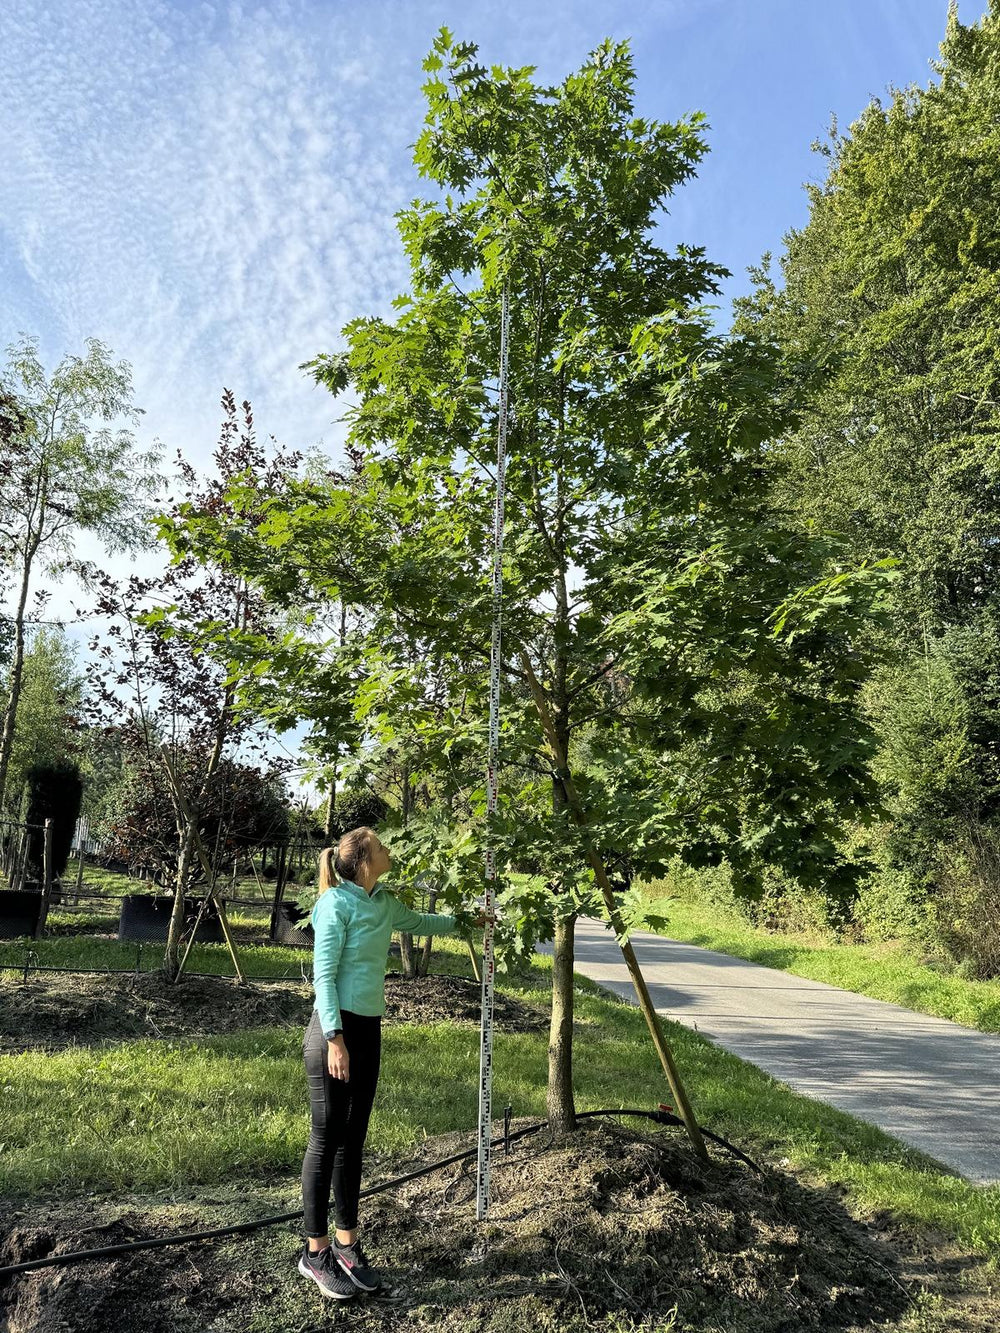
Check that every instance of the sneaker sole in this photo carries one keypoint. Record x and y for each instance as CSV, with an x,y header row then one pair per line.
x,y
306,1271
357,1282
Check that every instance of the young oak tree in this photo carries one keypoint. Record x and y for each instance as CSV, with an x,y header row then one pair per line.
x,y
643,566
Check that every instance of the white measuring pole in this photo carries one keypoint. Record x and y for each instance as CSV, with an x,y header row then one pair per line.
x,y
486,1031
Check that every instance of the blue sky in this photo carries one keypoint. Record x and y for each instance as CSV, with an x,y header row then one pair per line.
x,y
209,188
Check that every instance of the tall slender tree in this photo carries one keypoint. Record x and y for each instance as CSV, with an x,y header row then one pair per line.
x,y
635,480
62,475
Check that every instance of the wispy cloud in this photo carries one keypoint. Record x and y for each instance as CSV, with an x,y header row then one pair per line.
x,y
206,190
210,187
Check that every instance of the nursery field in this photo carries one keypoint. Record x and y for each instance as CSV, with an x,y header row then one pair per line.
x,y
83,933
559,523
131,1111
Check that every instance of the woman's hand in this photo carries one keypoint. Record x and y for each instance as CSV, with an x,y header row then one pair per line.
x,y
467,921
337,1060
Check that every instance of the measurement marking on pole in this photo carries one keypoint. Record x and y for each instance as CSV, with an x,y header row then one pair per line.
x,y
486,1031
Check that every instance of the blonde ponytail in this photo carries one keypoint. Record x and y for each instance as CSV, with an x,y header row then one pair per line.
x,y
351,853
326,870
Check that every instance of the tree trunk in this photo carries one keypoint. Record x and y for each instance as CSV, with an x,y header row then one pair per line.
x,y
79,870
407,953
280,876
208,868
423,966
171,957
330,815
46,879
21,866
186,813
16,671
559,753
559,1096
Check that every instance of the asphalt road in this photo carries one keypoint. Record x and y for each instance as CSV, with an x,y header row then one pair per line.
x,y
931,1083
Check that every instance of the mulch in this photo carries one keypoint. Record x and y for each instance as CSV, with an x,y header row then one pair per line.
x,y
608,1228
53,1011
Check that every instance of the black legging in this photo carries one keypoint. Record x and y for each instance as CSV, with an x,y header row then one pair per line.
x,y
340,1114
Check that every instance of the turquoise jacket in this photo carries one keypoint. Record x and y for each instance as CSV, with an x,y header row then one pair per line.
x,y
352,932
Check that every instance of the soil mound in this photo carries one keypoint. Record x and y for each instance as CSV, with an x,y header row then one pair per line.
x,y
447,999
610,1228
145,1291
54,1010
606,1229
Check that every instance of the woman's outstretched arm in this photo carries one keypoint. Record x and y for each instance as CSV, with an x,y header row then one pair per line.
x,y
420,923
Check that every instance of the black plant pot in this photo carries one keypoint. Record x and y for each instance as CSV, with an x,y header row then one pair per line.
x,y
293,927
144,917
18,913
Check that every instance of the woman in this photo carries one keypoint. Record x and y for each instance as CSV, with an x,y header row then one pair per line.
x,y
353,923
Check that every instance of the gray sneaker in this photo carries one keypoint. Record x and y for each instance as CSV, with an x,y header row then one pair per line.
x,y
326,1273
353,1260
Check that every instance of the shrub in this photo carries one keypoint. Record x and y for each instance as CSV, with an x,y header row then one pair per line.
x,y
784,905
967,902
894,905
711,884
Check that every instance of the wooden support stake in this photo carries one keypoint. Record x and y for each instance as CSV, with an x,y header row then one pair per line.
x,y
475,962
604,884
194,934
210,893
253,867
79,872
17,874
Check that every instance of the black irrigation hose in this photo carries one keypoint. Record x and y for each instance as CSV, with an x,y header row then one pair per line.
x,y
661,1117
667,1118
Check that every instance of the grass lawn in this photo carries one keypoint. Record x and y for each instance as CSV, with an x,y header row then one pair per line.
x,y
175,1113
98,880
888,970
